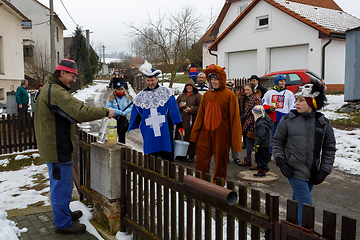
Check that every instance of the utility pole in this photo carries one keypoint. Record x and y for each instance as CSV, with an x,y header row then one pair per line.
x,y
103,47
52,37
88,39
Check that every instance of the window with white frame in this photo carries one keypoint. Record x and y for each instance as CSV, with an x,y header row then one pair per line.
x,y
242,7
262,22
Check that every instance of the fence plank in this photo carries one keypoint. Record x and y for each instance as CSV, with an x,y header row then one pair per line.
x,y
146,194
166,202
135,189
230,220
189,211
159,206
348,228
308,217
181,234
141,190
329,225
208,213
255,205
173,203
242,202
128,186
292,211
219,215
272,209
152,197
198,219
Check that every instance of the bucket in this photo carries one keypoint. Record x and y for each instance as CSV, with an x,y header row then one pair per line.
x,y
181,148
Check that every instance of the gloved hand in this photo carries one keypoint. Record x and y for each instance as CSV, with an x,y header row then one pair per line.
x,y
318,178
256,148
285,168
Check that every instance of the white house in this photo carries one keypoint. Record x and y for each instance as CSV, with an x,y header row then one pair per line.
x,y
37,39
11,48
261,36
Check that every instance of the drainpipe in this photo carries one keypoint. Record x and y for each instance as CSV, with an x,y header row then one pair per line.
x,y
323,57
213,55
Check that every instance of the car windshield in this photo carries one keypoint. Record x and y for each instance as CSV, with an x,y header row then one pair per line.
x,y
313,75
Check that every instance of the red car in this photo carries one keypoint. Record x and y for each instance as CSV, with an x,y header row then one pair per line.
x,y
296,78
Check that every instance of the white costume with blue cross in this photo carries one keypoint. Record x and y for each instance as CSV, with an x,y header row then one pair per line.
x,y
158,110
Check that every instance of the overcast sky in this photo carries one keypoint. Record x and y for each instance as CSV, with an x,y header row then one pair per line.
x,y
107,19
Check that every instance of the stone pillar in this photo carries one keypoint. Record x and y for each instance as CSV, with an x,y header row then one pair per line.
x,y
105,184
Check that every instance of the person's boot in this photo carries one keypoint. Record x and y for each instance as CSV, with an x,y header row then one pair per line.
x,y
76,215
191,158
246,162
75,228
253,167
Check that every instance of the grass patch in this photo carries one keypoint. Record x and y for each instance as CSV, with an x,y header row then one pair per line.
x,y
181,78
15,165
351,122
37,204
335,93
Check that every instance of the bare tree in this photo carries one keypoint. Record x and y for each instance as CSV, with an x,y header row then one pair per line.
x,y
167,41
38,65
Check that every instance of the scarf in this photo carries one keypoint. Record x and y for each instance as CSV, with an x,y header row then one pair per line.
x,y
120,94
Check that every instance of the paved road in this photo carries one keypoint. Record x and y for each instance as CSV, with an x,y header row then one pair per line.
x,y
340,193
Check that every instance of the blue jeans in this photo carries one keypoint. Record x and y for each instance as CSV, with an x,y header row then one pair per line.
x,y
273,130
301,194
61,187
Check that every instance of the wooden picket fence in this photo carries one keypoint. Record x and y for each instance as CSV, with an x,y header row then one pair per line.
x,y
155,204
12,139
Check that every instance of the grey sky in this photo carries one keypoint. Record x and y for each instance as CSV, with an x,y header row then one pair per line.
x,y
107,19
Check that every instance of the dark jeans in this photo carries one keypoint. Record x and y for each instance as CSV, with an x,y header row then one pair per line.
x,y
273,130
249,146
22,114
262,157
194,78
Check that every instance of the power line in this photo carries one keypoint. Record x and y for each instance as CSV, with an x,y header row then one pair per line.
x,y
68,12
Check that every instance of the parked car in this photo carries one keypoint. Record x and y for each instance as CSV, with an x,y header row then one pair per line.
x,y
296,78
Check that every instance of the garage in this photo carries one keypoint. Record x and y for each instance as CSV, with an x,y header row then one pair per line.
x,y
242,64
285,58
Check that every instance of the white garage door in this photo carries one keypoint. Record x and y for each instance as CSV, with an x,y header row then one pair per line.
x,y
242,64
286,58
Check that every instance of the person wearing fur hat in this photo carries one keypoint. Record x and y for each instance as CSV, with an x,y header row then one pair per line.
x,y
56,114
119,100
278,102
188,102
304,144
217,125
155,111
262,129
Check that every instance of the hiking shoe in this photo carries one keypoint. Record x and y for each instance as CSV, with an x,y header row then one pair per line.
x,y
236,160
259,174
76,215
75,228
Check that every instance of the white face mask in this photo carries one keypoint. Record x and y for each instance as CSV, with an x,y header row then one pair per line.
x,y
305,91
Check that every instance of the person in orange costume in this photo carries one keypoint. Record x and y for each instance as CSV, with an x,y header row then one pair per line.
x,y
217,126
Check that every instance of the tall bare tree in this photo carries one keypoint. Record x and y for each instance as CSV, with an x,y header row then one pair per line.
x,y
167,41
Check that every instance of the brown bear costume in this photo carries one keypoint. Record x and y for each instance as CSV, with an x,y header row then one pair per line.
x,y
217,126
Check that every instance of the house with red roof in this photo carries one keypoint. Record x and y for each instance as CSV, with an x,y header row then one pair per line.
x,y
262,36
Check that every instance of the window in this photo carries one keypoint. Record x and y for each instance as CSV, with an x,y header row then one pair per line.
x,y
57,34
26,24
28,51
242,7
2,95
58,57
262,22
293,79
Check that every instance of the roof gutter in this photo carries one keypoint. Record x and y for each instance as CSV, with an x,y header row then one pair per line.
x,y
213,54
331,35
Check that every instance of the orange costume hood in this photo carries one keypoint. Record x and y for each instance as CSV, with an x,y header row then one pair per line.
x,y
220,73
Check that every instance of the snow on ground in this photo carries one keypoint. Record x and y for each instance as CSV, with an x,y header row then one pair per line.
x,y
13,196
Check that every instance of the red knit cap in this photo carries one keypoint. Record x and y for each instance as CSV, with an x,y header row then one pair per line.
x,y
67,65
